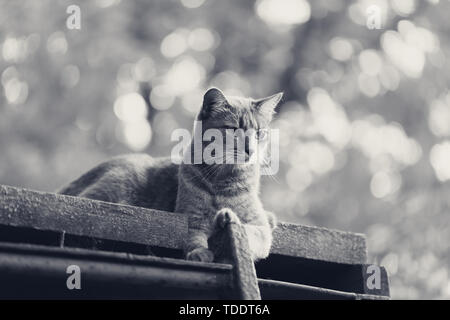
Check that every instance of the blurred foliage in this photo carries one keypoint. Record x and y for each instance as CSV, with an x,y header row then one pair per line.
x,y
365,125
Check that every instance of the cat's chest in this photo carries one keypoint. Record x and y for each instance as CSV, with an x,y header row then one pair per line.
x,y
246,206
208,200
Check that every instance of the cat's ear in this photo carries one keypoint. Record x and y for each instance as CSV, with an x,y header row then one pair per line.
x,y
266,106
213,98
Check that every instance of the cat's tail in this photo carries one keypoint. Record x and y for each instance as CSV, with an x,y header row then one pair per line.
x,y
76,187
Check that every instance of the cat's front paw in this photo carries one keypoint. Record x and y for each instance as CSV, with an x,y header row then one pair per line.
x,y
225,216
272,220
200,254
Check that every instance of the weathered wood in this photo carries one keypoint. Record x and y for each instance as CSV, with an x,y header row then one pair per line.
x,y
230,246
319,244
275,290
26,269
30,271
244,269
343,277
84,217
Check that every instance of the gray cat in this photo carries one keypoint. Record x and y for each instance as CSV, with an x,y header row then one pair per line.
x,y
211,194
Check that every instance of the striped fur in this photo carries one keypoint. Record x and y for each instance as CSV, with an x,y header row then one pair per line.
x,y
202,191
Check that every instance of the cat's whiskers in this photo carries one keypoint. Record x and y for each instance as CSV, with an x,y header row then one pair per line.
x,y
267,173
232,155
198,176
212,171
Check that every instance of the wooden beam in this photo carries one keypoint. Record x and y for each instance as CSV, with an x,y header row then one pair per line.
x,y
30,271
84,217
245,274
26,269
355,278
278,290
230,246
319,244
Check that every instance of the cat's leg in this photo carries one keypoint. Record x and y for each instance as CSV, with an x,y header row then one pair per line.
x,y
196,246
259,240
197,249
225,216
259,233
273,221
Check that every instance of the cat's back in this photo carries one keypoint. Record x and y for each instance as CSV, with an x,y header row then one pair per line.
x,y
133,179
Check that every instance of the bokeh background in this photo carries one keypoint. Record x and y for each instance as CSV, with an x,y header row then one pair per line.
x,y
365,124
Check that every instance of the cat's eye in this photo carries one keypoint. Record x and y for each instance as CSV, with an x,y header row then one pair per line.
x,y
261,134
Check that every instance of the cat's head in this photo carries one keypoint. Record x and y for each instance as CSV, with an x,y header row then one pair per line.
x,y
242,120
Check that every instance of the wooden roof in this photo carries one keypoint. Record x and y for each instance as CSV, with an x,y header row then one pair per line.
x,y
305,261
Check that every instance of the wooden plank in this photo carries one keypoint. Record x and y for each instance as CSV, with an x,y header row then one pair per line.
x,y
84,217
319,244
244,268
278,290
231,246
30,271
114,257
324,274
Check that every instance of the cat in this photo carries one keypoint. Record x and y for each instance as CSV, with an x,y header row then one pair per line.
x,y
212,194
